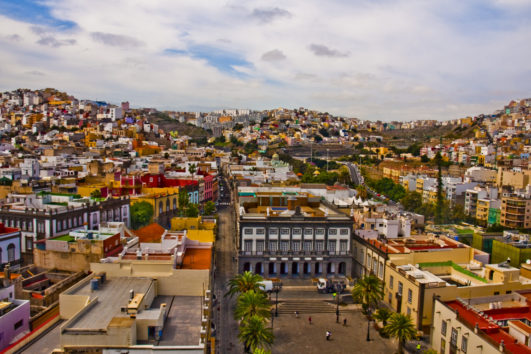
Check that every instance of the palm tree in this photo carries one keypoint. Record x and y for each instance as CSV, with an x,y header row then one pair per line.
x,y
368,291
383,314
244,282
261,351
254,334
402,328
192,168
252,303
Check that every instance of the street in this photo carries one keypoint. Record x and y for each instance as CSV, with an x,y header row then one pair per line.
x,y
225,268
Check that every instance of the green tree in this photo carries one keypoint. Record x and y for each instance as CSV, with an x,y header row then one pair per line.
x,y
424,159
402,328
261,351
141,214
368,291
412,201
254,334
439,204
210,208
252,303
362,192
383,314
243,282
183,200
192,168
192,211
96,193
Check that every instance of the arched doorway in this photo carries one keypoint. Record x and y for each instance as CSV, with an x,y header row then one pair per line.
x,y
283,268
330,269
258,268
294,268
247,267
318,269
306,268
342,269
272,268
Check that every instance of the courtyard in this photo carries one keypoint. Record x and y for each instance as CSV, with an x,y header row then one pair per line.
x,y
296,335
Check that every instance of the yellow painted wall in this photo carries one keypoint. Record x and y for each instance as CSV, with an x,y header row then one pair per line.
x,y
200,235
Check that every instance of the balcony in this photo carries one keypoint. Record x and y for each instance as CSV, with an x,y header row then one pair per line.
x,y
268,253
515,211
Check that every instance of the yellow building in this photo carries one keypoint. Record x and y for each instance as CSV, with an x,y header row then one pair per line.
x,y
184,223
165,206
410,288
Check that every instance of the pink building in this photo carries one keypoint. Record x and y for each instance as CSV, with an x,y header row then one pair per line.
x,y
14,316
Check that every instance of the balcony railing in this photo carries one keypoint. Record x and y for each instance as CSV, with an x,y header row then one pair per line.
x,y
295,253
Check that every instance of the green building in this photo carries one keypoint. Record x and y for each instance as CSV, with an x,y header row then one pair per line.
x,y
494,217
518,251
483,241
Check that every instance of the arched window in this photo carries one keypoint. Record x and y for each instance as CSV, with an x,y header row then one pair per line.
x,y
11,252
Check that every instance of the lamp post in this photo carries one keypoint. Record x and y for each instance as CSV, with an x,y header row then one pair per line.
x,y
276,302
368,324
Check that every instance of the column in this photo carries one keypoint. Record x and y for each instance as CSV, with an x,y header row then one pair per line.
x,y
266,269
312,269
301,270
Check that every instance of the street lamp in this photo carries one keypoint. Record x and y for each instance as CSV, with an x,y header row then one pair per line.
x,y
368,324
336,295
276,301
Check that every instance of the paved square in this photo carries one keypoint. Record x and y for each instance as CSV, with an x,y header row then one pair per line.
x,y
296,335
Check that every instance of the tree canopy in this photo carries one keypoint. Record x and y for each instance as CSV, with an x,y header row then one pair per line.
x,y
141,214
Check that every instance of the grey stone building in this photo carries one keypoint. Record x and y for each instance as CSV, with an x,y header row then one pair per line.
x,y
293,235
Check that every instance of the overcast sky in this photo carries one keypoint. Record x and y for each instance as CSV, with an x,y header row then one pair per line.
x,y
388,60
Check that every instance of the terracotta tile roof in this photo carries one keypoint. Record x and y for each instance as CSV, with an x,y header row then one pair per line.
x,y
197,258
150,233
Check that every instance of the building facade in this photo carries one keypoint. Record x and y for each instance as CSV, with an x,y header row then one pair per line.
x,y
284,235
42,218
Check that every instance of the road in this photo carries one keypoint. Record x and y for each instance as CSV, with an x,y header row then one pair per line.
x,y
357,179
225,268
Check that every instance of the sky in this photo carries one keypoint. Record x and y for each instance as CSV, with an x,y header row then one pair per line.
x,y
372,59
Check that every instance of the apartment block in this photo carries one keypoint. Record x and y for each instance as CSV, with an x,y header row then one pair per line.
x,y
515,212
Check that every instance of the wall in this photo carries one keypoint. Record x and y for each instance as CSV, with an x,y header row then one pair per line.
x,y
445,313
7,327
175,282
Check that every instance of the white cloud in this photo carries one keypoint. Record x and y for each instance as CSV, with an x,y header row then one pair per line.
x,y
375,60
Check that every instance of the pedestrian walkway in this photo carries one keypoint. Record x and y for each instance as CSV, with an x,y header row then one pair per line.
x,y
295,335
312,306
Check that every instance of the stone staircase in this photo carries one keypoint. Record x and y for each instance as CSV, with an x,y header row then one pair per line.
x,y
308,306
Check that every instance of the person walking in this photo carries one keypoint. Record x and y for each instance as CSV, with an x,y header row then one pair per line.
x,y
345,321
310,319
328,334
297,314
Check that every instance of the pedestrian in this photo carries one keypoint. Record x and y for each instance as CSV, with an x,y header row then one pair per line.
x,y
328,334
297,314
345,321
418,347
310,319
